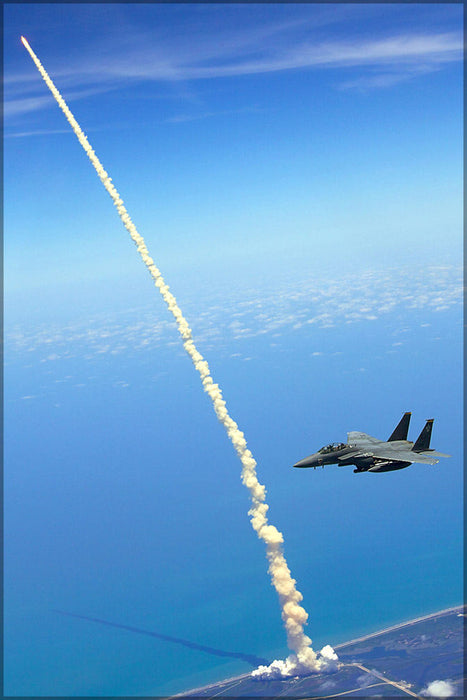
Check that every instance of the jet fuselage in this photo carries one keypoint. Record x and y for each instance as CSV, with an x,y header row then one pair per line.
x,y
347,454
368,454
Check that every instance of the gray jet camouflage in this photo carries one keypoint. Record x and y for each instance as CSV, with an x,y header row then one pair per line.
x,y
369,454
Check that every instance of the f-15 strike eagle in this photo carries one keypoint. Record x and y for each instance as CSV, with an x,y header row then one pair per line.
x,y
369,454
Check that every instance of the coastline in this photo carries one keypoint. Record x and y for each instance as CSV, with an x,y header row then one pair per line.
x,y
399,625
392,628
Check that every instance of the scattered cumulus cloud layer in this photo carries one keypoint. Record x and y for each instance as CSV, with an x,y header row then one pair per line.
x,y
227,325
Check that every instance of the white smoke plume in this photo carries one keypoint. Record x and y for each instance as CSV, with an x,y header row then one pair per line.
x,y
439,689
297,665
303,659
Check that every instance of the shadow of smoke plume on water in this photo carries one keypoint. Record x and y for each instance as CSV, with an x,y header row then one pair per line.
x,y
248,658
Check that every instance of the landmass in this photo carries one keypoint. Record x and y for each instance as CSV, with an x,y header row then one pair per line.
x,y
399,661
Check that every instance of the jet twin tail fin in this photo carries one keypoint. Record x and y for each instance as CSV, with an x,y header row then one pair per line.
x,y
401,430
423,440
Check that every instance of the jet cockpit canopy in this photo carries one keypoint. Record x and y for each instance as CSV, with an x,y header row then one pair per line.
x,y
332,447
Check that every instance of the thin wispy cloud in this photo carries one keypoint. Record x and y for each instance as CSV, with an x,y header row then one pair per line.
x,y
36,132
375,80
403,50
181,118
216,50
17,106
26,104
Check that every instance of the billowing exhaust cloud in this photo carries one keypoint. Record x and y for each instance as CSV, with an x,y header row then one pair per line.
x,y
439,689
303,659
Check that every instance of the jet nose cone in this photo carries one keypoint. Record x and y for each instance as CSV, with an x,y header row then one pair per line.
x,y
311,461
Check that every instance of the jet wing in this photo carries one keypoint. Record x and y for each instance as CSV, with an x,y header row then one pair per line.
x,y
401,455
369,445
434,453
361,439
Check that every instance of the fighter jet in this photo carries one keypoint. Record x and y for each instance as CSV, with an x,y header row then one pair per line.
x,y
368,454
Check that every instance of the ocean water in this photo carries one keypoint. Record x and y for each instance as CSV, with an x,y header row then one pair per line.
x,y
123,498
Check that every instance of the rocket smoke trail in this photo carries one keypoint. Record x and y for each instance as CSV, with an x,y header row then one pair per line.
x,y
303,659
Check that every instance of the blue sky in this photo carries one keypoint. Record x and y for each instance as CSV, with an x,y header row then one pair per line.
x,y
252,134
